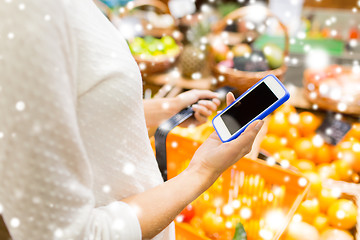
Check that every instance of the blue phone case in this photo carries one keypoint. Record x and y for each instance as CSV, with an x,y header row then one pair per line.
x,y
272,108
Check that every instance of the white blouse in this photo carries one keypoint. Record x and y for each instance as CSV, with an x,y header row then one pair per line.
x,y
73,139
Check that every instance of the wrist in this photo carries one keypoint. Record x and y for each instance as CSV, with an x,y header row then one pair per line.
x,y
201,175
174,105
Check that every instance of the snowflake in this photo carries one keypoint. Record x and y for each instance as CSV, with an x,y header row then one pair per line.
x,y
47,17
22,6
106,188
20,106
14,222
129,169
11,35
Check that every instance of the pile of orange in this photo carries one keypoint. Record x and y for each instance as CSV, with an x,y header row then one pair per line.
x,y
325,214
292,138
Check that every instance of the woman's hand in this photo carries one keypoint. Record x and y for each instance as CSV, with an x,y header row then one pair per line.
x,y
159,110
203,108
214,157
158,206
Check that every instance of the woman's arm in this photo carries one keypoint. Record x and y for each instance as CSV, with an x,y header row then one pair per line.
x,y
157,207
159,110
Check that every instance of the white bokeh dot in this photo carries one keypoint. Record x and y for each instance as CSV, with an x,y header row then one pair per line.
x,y
106,188
340,214
302,182
1,208
20,106
10,35
22,6
129,168
14,222
228,209
165,105
1,135
47,17
342,107
245,213
174,144
58,233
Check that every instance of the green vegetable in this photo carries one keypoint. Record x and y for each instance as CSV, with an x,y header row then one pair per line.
x,y
274,55
240,233
226,8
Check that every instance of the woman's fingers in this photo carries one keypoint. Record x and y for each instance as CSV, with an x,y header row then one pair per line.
x,y
201,94
210,105
192,96
201,111
216,101
200,118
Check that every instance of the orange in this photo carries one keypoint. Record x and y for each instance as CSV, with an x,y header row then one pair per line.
x,y
323,154
278,124
342,214
196,223
203,203
212,223
350,152
309,209
292,135
305,148
354,131
308,123
327,171
326,198
335,234
217,187
301,231
355,178
315,180
321,222
286,154
304,165
272,143
286,108
343,169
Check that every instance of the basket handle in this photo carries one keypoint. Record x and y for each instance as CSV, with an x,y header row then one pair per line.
x,y
154,3
241,12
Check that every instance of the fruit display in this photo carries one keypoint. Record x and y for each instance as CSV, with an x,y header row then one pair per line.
x,y
327,212
243,58
336,88
292,141
235,59
247,193
155,49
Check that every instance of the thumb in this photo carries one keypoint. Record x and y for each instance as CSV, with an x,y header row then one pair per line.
x,y
246,139
229,98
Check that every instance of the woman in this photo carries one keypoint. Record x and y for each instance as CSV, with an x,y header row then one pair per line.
x,y
75,159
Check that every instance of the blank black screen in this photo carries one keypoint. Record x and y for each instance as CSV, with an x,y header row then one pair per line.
x,y
248,107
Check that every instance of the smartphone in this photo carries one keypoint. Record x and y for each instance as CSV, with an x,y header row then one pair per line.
x,y
256,103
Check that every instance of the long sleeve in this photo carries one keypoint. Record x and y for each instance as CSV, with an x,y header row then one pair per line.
x,y
45,176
